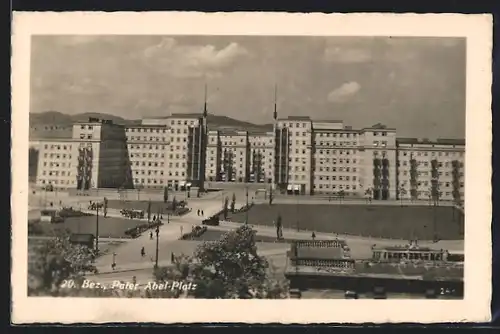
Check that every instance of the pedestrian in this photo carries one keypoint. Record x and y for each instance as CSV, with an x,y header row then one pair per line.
x,y
313,235
154,218
113,265
151,235
143,252
202,214
198,212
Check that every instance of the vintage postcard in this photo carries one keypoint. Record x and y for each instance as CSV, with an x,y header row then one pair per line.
x,y
251,167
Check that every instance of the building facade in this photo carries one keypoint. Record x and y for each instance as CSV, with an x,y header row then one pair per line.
x,y
431,170
300,156
94,157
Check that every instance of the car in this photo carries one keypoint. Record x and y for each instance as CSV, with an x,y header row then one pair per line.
x,y
349,294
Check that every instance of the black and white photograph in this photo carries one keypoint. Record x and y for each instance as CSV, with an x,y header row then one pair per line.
x,y
252,166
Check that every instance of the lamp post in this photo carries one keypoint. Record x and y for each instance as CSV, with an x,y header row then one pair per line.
x,y
157,244
246,211
297,213
97,228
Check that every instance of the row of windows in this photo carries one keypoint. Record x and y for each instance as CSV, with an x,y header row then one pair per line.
x,y
148,181
56,164
428,163
56,156
340,152
429,173
148,172
426,194
432,154
147,163
147,155
334,161
382,143
327,143
426,183
335,186
176,174
151,147
56,173
337,135
151,130
338,169
335,178
58,147
182,122
62,182
178,148
240,172
177,156
138,138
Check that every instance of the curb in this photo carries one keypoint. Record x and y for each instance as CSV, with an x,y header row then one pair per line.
x,y
120,271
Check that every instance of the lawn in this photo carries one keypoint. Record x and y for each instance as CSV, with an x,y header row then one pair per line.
x,y
214,235
109,227
156,206
363,220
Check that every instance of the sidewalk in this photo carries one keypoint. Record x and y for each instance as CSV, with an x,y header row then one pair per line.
x,y
306,235
145,264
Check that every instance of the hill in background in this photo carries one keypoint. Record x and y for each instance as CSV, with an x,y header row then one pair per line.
x,y
55,124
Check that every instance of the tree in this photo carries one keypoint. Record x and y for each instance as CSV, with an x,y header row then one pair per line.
x,y
279,227
55,261
149,211
233,202
105,207
402,193
227,268
224,208
270,195
174,204
341,195
369,194
165,195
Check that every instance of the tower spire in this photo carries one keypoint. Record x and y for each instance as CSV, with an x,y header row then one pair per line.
x,y
205,105
275,114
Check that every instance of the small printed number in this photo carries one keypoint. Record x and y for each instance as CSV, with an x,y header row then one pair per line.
x,y
69,284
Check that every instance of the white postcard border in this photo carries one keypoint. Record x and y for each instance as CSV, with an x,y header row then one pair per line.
x,y
476,304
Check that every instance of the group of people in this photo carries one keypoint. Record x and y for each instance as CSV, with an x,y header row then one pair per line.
x,y
200,213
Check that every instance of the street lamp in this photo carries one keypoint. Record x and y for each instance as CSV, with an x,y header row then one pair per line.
x,y
157,246
246,211
297,212
97,228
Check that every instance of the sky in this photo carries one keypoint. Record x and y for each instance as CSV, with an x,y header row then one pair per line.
x,y
415,84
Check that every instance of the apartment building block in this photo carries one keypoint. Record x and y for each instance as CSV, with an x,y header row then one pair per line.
x,y
94,157
430,169
300,156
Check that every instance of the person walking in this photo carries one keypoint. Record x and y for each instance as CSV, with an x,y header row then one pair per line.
x,y
143,252
151,235
313,235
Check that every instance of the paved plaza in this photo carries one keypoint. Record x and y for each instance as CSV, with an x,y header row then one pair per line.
x,y
129,261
